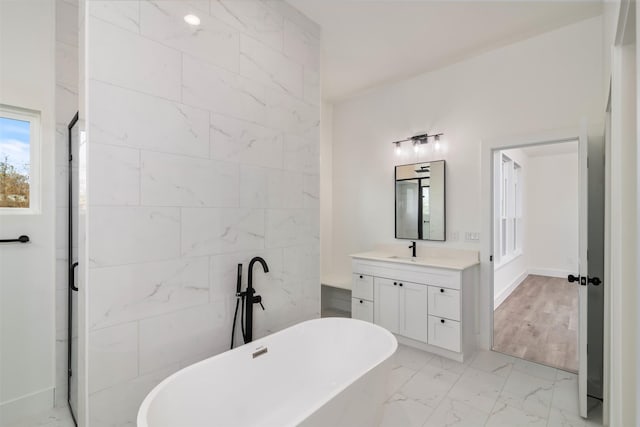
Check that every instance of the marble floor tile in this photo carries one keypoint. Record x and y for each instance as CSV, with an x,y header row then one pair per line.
x,y
477,389
411,358
535,369
398,377
505,415
56,417
493,362
562,418
401,410
453,413
430,385
527,392
448,364
490,389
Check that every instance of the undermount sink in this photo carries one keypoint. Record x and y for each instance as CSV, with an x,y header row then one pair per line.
x,y
404,258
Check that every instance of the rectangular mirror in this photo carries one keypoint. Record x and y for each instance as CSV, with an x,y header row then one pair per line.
x,y
420,197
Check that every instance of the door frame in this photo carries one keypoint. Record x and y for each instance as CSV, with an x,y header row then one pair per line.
x,y
489,147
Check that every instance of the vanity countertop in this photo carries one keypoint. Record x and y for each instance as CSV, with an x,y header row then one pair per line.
x,y
436,261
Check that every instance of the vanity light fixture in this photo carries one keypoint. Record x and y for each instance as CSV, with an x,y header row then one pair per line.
x,y
398,148
192,20
418,140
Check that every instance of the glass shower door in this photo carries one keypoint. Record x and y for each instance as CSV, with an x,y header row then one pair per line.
x,y
72,348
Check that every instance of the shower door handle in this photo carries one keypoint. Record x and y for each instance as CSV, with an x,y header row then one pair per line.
x,y
72,276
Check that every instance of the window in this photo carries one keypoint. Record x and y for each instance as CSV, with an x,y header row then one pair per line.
x,y
510,205
19,160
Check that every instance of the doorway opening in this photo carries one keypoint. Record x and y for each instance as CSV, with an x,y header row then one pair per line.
x,y
535,247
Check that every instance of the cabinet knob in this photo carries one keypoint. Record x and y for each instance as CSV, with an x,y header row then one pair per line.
x,y
395,283
441,290
400,284
360,301
361,276
441,320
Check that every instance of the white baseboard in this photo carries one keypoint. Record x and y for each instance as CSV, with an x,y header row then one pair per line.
x,y
550,272
15,410
499,299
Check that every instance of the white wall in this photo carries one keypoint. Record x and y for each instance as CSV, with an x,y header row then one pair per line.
x,y
511,272
552,200
202,153
546,82
27,288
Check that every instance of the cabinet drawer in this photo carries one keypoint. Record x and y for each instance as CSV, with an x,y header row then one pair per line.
x,y
444,302
444,333
362,309
362,286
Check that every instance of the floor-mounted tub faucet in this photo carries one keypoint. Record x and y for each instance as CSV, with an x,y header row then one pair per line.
x,y
252,299
413,249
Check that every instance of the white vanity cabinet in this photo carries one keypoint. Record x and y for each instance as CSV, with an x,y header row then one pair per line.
x,y
427,307
362,297
400,307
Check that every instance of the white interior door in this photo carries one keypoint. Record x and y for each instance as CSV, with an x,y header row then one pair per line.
x,y
583,283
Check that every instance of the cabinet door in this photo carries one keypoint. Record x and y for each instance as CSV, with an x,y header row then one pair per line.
x,y
444,302
361,309
386,304
444,333
413,311
362,286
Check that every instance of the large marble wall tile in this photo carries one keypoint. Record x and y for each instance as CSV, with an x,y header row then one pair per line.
x,y
291,114
137,291
252,18
220,91
301,154
224,268
287,227
210,231
66,106
129,60
212,40
301,46
118,405
312,87
301,262
259,63
171,180
67,69
67,23
311,192
173,337
124,14
128,118
294,15
270,188
115,175
123,235
245,142
113,353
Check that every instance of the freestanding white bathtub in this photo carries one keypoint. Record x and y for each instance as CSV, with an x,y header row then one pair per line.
x,y
323,372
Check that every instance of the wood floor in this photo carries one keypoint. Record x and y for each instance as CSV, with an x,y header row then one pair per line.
x,y
539,322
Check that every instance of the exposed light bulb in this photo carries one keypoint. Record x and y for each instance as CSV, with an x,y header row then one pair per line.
x,y
192,20
437,143
398,149
416,147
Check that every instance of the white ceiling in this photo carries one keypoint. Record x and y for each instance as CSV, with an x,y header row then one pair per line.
x,y
371,42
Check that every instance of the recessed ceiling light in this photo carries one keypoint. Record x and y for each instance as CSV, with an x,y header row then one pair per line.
x,y
192,20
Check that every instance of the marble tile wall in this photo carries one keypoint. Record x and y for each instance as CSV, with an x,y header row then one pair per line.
x,y
66,94
203,153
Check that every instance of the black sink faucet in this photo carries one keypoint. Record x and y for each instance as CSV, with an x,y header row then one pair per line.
x,y
252,299
412,247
